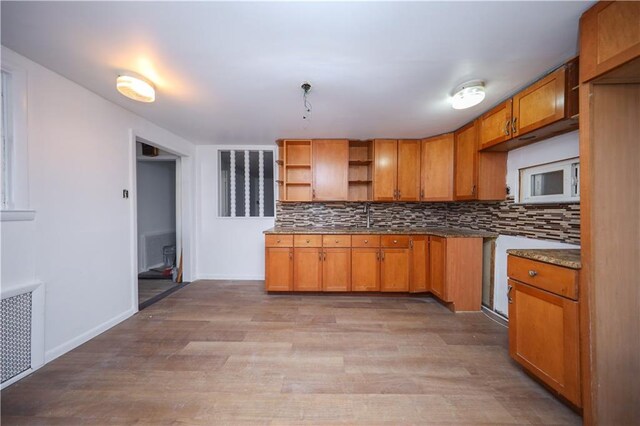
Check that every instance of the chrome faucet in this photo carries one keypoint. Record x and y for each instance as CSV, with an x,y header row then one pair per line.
x,y
367,210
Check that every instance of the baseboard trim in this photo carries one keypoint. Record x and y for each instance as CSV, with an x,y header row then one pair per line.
x,y
62,349
229,277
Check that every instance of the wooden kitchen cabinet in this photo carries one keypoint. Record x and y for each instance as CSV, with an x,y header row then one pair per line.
x,y
495,125
609,37
544,337
297,179
279,268
466,162
478,175
336,269
408,180
330,170
419,273
437,172
365,269
540,104
385,169
456,271
396,170
307,269
394,269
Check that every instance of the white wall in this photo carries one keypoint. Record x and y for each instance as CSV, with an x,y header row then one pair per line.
x,y
156,197
555,149
227,248
81,242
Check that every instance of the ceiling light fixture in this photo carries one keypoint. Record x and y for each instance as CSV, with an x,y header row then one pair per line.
x,y
468,94
306,88
136,88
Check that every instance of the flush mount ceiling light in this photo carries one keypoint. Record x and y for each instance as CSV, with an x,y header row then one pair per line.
x,y
468,94
136,88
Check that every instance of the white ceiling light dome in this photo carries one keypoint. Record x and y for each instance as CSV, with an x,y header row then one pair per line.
x,y
468,94
136,88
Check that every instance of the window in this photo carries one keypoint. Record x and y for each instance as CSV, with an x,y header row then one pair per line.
x,y
7,142
246,183
551,183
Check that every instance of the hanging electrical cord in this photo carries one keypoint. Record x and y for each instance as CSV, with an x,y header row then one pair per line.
x,y
306,87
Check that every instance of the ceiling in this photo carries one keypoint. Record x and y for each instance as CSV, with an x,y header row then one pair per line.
x,y
230,73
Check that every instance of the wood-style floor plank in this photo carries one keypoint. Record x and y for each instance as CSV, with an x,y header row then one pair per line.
x,y
221,352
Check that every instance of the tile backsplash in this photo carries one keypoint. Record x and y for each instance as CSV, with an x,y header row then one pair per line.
x,y
557,222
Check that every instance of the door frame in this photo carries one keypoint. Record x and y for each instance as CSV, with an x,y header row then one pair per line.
x,y
184,223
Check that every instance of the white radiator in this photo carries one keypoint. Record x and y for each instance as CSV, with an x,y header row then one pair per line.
x,y
151,245
22,332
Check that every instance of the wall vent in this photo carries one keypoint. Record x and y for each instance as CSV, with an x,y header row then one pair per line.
x,y
15,340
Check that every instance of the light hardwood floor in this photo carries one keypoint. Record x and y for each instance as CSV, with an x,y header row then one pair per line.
x,y
220,352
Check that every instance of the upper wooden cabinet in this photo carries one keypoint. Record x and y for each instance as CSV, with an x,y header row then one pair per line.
x,y
396,170
478,175
466,162
385,169
297,178
609,37
539,104
547,108
436,178
495,125
330,170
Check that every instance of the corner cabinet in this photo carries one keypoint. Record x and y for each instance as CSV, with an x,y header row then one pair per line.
x,y
543,324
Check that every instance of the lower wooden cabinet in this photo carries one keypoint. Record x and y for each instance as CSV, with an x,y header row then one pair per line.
x,y
450,268
365,269
307,269
544,324
279,268
336,269
394,269
419,271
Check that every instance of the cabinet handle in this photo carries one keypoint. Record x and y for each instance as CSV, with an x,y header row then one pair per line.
x,y
366,241
514,128
399,194
378,255
422,193
320,256
337,241
324,256
395,241
277,241
509,288
308,241
290,254
532,273
410,243
506,127
382,254
313,193
473,191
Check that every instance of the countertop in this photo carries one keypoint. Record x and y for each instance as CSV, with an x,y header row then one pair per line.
x,y
569,258
438,232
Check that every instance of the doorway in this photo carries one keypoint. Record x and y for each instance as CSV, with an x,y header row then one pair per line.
x,y
159,266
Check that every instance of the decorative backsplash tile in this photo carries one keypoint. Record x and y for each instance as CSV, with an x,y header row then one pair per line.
x,y
557,222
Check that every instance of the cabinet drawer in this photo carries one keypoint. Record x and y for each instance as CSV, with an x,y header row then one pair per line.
x,y
400,241
365,240
276,240
553,278
307,240
336,240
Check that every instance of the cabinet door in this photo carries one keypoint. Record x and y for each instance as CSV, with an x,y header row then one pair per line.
x,y
365,269
495,125
609,37
336,269
409,170
278,269
543,337
385,169
394,269
540,104
419,276
437,268
330,170
307,269
466,162
437,168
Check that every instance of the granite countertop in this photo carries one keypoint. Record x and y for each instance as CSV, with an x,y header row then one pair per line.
x,y
438,232
569,258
